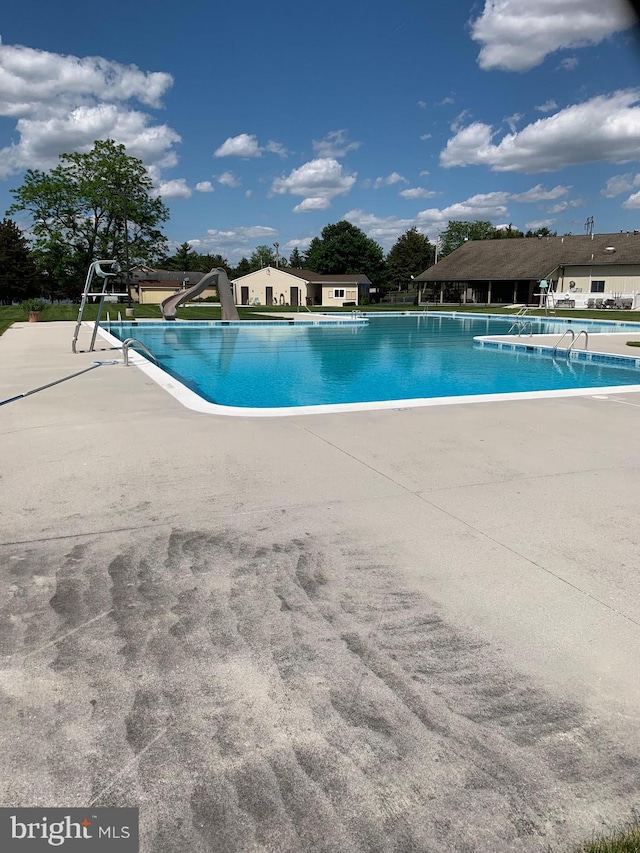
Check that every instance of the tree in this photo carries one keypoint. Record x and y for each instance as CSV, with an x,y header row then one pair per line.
x,y
342,249
243,268
17,268
411,254
508,233
296,261
262,256
541,232
186,260
93,205
458,232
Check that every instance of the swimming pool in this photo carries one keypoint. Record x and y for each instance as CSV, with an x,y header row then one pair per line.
x,y
266,365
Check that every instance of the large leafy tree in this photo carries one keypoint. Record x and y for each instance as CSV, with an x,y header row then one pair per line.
x,y
18,275
343,248
458,232
262,256
411,254
98,204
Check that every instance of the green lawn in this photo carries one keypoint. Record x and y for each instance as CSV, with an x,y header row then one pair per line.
x,y
12,314
621,841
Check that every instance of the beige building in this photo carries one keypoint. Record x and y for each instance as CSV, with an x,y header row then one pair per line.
x,y
151,287
579,269
274,286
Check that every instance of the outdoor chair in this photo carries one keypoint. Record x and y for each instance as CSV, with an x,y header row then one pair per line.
x,y
599,303
591,303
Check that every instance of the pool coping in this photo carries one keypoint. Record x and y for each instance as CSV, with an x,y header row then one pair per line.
x,y
190,400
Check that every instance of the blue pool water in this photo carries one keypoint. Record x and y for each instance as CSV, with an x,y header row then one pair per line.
x,y
275,364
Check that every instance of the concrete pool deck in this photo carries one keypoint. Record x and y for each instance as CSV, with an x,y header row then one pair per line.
x,y
411,629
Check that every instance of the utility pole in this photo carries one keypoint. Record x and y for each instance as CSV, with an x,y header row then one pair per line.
x,y
277,248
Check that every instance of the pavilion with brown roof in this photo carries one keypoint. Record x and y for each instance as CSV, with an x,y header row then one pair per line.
x,y
510,270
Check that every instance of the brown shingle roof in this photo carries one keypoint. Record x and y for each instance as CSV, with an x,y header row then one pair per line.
x,y
316,278
530,258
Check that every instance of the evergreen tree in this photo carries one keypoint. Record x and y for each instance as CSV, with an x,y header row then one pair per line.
x,y
18,278
296,260
411,254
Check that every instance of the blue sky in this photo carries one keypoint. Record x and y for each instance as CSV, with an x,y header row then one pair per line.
x,y
262,123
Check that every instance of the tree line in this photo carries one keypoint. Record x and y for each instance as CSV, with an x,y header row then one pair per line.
x,y
100,204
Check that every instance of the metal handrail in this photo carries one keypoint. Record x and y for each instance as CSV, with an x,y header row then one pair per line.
x,y
521,327
564,335
134,343
577,337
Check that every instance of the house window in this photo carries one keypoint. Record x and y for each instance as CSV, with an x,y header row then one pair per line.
x,y
338,294
597,287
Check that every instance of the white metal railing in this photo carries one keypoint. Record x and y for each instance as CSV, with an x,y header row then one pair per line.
x,y
134,343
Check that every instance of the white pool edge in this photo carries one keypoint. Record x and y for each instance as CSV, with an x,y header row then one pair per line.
x,y
190,400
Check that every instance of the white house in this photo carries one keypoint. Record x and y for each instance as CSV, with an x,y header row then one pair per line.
x,y
275,286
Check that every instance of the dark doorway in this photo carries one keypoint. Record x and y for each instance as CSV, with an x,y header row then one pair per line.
x,y
244,295
268,296
294,299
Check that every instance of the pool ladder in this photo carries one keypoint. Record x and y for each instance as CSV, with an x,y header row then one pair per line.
x,y
134,343
521,327
574,339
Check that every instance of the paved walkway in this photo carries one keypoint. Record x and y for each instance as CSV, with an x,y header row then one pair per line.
x,y
396,630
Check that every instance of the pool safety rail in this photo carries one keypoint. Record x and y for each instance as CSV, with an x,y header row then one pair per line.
x,y
135,344
574,339
520,327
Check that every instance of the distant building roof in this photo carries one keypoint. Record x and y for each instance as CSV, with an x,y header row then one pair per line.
x,y
532,258
317,278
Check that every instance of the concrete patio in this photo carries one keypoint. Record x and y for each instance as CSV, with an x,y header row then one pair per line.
x,y
401,630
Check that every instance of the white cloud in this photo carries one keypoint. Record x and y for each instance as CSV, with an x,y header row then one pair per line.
x,y
384,230
633,202
276,148
318,181
620,184
538,193
301,243
422,105
569,63
334,144
490,206
243,145
512,121
228,179
606,128
459,120
205,187
539,223
29,77
312,203
176,188
246,145
548,106
516,35
565,205
389,181
425,136
417,192
64,103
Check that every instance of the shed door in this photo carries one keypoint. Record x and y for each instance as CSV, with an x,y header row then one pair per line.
x,y
268,295
244,295
294,296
